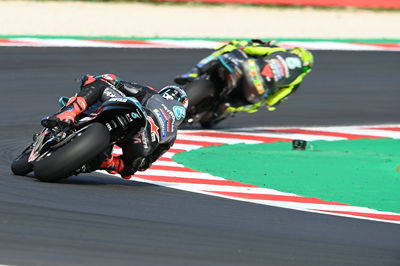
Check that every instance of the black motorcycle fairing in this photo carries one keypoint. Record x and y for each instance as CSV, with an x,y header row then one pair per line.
x,y
123,117
59,152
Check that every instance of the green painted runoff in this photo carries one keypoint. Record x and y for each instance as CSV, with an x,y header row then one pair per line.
x,y
364,172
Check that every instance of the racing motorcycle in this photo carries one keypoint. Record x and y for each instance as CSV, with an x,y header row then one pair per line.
x,y
228,81
59,152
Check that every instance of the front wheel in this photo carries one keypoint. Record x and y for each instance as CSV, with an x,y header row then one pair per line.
x,y
199,91
21,166
82,148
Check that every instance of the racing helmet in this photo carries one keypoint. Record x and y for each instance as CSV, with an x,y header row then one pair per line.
x,y
305,55
175,93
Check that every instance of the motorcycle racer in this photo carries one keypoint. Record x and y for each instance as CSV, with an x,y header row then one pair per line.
x,y
165,112
276,72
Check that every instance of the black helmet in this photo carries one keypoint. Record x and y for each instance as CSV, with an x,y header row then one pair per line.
x,y
175,93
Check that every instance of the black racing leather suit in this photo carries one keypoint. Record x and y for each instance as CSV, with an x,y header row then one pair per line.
x,y
160,131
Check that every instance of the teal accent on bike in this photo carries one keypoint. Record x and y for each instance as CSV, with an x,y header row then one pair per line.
x,y
225,64
179,112
63,101
364,172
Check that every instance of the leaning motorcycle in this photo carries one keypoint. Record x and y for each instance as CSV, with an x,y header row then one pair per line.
x,y
234,76
59,152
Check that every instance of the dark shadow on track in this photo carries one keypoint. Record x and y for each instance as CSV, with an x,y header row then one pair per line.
x,y
92,180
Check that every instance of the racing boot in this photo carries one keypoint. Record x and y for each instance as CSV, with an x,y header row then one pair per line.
x,y
115,165
75,106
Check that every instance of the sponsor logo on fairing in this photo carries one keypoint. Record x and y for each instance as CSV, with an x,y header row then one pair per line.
x,y
170,115
267,72
276,69
179,112
168,120
283,66
163,122
109,127
293,62
121,100
167,96
108,92
128,118
144,140
136,115
155,136
255,77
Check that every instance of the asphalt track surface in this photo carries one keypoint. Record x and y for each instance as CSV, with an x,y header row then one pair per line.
x,y
97,220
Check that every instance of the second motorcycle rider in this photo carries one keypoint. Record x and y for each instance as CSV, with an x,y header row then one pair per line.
x,y
274,74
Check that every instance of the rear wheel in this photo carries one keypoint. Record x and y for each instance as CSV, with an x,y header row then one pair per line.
x,y
82,148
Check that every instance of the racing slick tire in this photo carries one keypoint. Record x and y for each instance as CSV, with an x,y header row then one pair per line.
x,y
62,162
20,165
